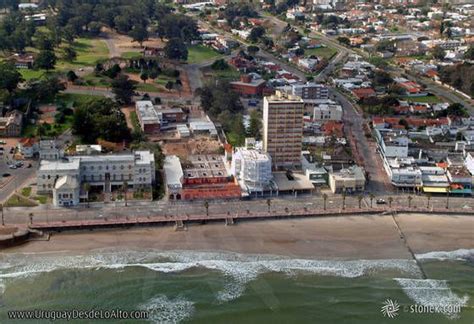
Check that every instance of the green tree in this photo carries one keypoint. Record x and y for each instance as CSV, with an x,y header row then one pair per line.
x,y
9,77
71,76
46,59
252,49
255,126
139,34
438,53
175,49
344,40
169,85
144,76
123,89
70,54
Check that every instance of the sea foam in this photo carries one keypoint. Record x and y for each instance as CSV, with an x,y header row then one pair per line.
x,y
164,310
240,269
461,254
433,293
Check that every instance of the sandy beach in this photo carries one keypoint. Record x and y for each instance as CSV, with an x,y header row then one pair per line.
x,y
356,237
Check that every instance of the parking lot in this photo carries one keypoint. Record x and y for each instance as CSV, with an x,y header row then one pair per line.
x,y
13,174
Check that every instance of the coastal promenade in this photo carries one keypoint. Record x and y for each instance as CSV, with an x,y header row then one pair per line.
x,y
180,221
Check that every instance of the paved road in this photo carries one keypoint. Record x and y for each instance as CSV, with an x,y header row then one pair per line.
x,y
365,151
18,178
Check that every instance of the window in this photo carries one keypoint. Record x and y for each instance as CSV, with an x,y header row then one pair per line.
x,y
100,167
121,167
113,167
44,177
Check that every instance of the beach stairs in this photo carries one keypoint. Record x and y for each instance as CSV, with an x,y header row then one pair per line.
x,y
179,226
229,221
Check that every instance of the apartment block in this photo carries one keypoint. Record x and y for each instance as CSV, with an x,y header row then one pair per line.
x,y
283,129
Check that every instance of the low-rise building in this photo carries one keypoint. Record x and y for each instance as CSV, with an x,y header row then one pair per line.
x,y
147,117
11,124
310,91
27,147
50,150
105,171
247,86
348,180
324,112
66,191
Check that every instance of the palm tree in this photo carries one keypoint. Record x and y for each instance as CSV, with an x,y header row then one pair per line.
x,y
31,218
447,200
1,211
269,204
428,198
343,200
325,198
125,190
206,205
410,198
372,197
87,187
359,198
390,200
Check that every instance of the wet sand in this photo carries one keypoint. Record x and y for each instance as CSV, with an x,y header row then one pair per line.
x,y
356,237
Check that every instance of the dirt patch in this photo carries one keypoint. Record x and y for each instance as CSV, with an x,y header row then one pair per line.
x,y
47,113
192,146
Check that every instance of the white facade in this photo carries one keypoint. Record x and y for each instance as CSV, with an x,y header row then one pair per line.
x,y
66,191
325,112
253,168
49,150
106,171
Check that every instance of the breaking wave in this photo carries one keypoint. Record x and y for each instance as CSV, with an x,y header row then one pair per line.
x,y
433,293
164,310
240,269
461,254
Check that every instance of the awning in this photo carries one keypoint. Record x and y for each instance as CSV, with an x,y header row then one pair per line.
x,y
435,189
461,191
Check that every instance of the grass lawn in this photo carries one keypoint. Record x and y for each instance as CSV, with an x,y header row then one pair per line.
x,y
135,122
89,53
97,81
148,87
325,52
425,99
19,201
75,98
41,199
53,131
26,191
231,73
31,74
130,55
163,79
200,53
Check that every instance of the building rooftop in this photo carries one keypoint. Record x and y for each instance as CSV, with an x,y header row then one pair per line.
x,y
173,171
72,165
147,112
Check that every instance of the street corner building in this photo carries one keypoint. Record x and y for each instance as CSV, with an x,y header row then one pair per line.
x,y
64,178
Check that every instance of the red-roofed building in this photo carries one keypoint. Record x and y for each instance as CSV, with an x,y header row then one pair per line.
x,y
363,93
333,128
412,88
27,147
248,87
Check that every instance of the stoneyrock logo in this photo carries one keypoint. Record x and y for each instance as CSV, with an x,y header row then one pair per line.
x,y
390,308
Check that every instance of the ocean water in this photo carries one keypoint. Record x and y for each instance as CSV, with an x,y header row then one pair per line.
x,y
211,287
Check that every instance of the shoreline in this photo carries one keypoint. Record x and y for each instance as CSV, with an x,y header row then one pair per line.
x,y
332,238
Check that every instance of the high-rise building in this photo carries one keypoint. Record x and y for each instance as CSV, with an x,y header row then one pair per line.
x,y
283,129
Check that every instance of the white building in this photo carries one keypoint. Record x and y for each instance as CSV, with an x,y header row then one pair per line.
x,y
173,176
108,171
252,168
66,191
392,144
348,180
50,150
325,112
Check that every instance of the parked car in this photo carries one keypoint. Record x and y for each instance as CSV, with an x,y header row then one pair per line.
x,y
12,166
380,201
6,175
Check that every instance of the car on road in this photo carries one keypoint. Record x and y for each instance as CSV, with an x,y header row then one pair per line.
x,y
380,202
29,165
6,175
12,166
3,142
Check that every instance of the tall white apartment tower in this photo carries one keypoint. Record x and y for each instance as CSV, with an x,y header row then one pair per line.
x,y
283,130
